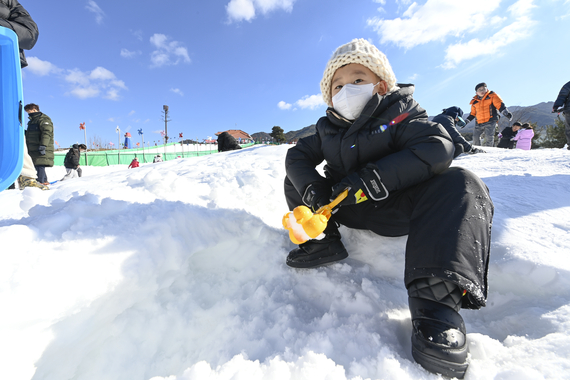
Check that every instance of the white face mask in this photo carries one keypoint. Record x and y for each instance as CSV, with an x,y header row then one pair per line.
x,y
352,98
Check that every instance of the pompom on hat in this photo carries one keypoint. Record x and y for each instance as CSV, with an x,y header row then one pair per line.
x,y
362,52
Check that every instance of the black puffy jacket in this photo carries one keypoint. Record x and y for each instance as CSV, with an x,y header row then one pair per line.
x,y
14,16
405,153
507,134
72,157
40,133
563,99
448,123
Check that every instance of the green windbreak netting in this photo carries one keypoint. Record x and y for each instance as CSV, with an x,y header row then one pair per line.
x,y
125,156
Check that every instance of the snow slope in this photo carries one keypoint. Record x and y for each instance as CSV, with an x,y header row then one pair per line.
x,y
175,271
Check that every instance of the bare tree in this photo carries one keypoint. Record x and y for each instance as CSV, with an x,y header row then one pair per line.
x,y
521,114
95,143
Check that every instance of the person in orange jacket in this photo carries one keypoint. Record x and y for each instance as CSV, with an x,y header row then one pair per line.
x,y
485,108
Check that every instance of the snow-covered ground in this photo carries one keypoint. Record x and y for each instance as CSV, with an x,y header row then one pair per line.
x,y
175,271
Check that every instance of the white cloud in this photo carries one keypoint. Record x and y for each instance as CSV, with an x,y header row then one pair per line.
x,y
132,113
94,83
138,34
240,10
98,82
381,2
519,29
177,91
438,20
125,53
434,21
167,52
312,102
93,7
307,101
283,105
41,68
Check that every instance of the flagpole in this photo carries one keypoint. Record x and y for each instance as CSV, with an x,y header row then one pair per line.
x,y
85,134
142,137
82,126
119,143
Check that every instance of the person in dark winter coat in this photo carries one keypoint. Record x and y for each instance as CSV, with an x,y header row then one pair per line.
x,y
485,108
227,142
39,139
507,136
562,104
449,118
379,145
71,161
14,16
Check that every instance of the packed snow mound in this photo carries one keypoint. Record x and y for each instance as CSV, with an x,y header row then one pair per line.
x,y
176,271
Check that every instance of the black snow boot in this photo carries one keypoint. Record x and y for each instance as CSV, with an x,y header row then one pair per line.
x,y
318,252
439,339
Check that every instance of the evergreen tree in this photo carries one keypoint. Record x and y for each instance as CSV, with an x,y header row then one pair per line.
x,y
278,134
554,136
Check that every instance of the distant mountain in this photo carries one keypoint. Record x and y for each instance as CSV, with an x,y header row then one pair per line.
x,y
261,136
290,136
296,135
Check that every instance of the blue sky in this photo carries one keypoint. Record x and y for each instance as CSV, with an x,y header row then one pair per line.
x,y
255,64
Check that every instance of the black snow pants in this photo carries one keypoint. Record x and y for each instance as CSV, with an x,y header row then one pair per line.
x,y
448,221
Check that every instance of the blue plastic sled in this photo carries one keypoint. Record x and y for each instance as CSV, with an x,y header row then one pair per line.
x,y
11,103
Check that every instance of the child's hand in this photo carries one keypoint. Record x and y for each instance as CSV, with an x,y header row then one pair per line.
x,y
316,195
362,185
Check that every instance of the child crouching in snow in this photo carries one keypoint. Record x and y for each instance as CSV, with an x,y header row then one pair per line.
x,y
524,137
378,143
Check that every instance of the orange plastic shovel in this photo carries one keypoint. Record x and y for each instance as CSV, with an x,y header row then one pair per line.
x,y
303,225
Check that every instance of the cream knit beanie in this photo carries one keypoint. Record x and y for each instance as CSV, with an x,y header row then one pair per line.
x,y
362,52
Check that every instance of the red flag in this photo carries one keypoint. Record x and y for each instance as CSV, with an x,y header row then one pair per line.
x,y
180,135
81,125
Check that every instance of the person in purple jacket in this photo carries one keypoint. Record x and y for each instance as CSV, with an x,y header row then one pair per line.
x,y
524,137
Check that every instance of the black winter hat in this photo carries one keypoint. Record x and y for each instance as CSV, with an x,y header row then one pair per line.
x,y
482,84
454,112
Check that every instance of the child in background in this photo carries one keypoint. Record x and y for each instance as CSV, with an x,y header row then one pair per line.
x,y
134,163
507,136
524,137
